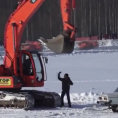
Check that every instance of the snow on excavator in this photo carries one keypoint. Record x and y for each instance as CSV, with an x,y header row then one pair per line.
x,y
23,68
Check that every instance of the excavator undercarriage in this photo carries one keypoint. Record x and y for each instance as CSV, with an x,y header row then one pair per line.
x,y
29,99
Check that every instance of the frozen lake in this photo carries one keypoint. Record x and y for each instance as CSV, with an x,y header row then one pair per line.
x,y
92,73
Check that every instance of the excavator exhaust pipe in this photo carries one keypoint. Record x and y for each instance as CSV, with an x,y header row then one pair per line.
x,y
59,44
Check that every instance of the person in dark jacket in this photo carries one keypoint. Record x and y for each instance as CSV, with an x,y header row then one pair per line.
x,y
66,82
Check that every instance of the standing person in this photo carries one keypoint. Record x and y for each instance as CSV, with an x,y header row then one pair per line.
x,y
66,82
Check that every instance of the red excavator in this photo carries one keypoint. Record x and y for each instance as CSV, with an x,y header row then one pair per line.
x,y
26,68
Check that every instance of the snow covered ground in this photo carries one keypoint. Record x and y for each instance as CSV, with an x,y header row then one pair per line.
x,y
76,112
91,73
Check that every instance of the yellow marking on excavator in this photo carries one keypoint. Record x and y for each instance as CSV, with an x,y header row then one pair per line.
x,y
5,82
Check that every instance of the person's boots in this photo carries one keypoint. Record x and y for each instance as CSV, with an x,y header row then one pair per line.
x,y
62,103
69,105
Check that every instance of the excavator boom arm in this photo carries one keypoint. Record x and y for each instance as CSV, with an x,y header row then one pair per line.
x,y
66,7
18,20
15,27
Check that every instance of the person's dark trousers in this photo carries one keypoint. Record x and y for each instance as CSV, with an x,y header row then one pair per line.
x,y
68,98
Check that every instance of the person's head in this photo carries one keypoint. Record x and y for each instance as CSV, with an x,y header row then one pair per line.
x,y
66,75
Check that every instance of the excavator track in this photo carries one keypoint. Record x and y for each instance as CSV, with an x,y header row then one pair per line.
x,y
29,99
44,99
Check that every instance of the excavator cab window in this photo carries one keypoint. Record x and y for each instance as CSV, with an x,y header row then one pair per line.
x,y
27,65
38,67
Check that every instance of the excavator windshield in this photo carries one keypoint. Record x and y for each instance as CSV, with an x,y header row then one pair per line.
x,y
38,67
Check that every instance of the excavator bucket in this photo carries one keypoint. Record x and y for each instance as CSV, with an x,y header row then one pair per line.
x,y
59,44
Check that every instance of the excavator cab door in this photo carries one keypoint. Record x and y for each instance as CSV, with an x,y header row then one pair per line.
x,y
33,69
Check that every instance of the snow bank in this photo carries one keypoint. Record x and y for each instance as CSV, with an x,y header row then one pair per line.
x,y
83,98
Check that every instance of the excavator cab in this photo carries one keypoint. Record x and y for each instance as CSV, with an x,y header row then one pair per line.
x,y
32,69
